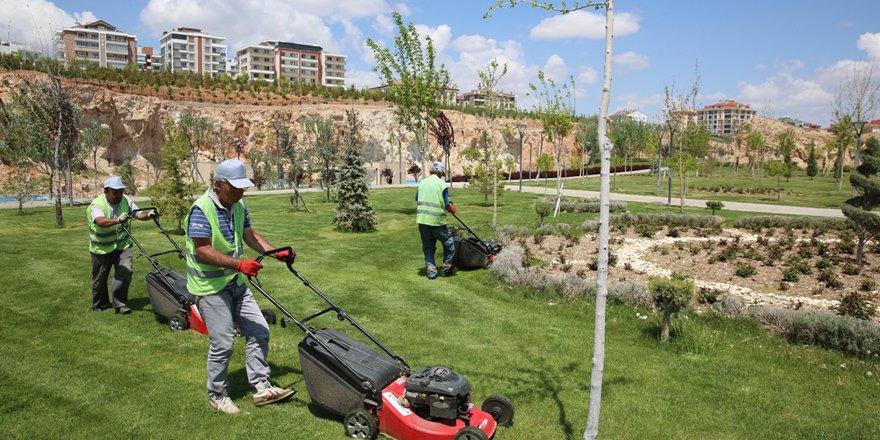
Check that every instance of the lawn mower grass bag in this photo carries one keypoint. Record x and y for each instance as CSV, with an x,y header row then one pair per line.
x,y
169,297
472,253
331,384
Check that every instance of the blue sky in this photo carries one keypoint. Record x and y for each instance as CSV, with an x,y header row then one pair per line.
x,y
784,58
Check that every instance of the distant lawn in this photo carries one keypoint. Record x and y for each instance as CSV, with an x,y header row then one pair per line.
x,y
68,373
820,192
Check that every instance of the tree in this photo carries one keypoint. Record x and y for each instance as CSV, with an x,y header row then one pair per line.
x,y
354,212
555,109
21,186
91,139
486,172
445,135
586,138
195,130
171,196
324,146
598,365
670,295
844,137
856,97
126,172
755,145
776,168
858,209
281,131
812,164
714,205
414,84
683,163
785,145
545,164
489,79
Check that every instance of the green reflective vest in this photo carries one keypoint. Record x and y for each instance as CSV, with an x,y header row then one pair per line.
x,y
207,279
429,210
103,241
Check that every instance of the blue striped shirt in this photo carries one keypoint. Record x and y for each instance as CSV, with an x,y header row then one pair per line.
x,y
200,228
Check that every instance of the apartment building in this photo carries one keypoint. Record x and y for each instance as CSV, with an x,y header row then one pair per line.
x,y
630,115
479,98
190,49
98,42
25,51
294,62
147,60
722,117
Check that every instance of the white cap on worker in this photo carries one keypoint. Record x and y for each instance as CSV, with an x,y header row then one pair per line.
x,y
234,172
114,182
438,167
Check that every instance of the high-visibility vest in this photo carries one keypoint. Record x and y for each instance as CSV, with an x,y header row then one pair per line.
x,y
207,279
103,241
429,210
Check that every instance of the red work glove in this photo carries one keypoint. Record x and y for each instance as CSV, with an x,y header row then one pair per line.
x,y
285,254
249,267
451,208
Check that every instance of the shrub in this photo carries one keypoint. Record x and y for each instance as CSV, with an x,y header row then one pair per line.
x,y
730,306
745,270
570,204
714,205
646,230
708,296
757,223
856,305
673,232
851,269
823,264
830,279
791,275
845,333
868,285
507,233
670,295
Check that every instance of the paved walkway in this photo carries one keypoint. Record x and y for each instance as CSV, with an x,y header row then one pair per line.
x,y
732,206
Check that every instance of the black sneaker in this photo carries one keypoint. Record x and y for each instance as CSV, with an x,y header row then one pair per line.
x,y
448,271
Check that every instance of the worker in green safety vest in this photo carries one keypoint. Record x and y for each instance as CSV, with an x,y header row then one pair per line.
x,y
110,245
432,203
217,227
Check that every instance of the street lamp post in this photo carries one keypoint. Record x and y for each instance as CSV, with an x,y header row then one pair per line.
x,y
858,126
521,128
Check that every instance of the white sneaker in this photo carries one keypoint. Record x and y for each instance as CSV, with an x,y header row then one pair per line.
x,y
224,404
267,393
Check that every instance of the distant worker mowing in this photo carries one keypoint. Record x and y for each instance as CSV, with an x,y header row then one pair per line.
x,y
432,203
110,245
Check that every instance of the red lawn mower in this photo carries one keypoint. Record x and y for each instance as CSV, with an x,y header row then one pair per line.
x,y
375,392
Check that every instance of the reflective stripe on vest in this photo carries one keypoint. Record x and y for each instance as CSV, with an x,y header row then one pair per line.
x,y
103,241
207,279
429,208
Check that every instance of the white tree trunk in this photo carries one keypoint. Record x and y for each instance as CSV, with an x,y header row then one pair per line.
x,y
592,429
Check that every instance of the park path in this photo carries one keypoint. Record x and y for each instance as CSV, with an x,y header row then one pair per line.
x,y
732,206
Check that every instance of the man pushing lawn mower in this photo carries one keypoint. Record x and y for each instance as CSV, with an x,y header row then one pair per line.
x,y
432,202
217,226
110,245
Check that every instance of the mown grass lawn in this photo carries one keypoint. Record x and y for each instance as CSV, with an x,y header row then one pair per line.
x,y
68,373
800,190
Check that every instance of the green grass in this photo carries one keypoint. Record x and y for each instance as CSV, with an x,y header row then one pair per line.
x,y
68,373
821,192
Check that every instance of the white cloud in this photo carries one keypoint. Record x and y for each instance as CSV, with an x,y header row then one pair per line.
x,y
440,35
870,43
403,9
632,60
383,25
556,69
587,75
789,95
361,78
245,22
633,101
34,22
583,24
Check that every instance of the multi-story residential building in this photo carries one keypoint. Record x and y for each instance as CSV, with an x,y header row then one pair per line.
x,y
26,53
98,42
479,98
146,59
631,115
193,50
294,62
722,117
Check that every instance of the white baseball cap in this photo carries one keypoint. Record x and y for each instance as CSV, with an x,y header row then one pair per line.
x,y
114,182
234,172
438,167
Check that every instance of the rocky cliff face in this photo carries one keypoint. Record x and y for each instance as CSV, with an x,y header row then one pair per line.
x,y
135,122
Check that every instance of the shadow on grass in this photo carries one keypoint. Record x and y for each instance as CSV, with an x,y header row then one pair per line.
x,y
238,380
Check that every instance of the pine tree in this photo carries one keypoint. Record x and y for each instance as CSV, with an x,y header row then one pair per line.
x,y
354,212
858,209
812,163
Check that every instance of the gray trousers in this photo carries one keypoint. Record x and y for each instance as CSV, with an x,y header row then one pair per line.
x,y
120,261
220,310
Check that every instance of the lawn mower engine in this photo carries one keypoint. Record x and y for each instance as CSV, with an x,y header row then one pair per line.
x,y
436,393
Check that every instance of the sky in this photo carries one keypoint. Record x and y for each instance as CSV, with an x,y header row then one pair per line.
x,y
782,57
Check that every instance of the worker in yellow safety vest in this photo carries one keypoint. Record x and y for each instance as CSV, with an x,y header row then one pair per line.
x,y
432,204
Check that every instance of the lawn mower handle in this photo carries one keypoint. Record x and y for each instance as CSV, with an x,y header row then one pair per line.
x,y
465,226
288,260
149,208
